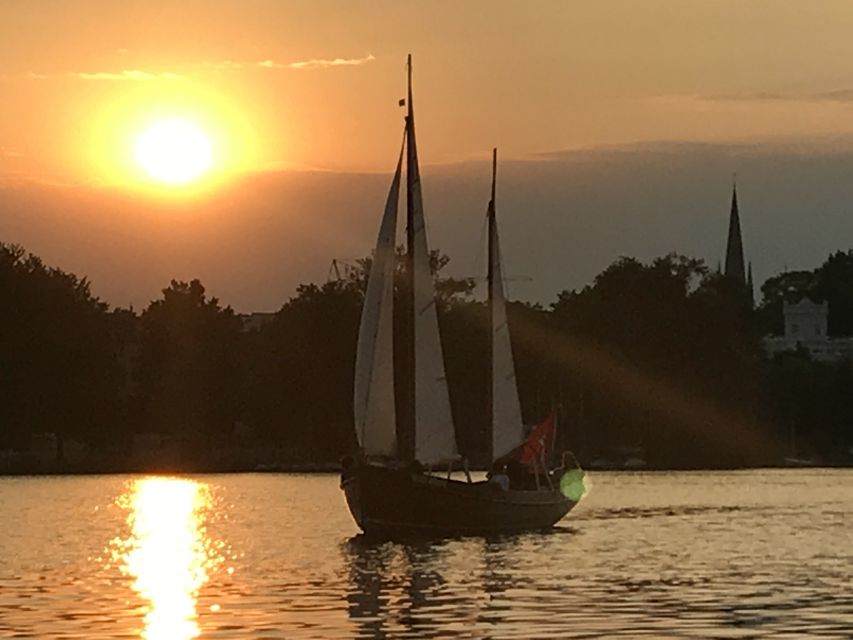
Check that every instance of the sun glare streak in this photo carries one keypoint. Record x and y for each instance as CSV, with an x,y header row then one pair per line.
x,y
167,553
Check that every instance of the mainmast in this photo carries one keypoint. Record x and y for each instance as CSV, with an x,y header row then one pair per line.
x,y
490,276
429,437
491,218
407,432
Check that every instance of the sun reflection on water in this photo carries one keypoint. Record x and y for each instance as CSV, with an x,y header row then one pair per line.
x,y
168,553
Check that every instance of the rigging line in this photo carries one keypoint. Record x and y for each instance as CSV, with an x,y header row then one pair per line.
x,y
478,254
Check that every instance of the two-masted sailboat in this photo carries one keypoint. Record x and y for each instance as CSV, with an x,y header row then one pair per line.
x,y
388,486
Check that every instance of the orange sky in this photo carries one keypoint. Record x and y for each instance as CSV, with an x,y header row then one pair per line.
x,y
528,77
290,88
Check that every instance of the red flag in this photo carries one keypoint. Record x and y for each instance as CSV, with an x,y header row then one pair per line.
x,y
537,441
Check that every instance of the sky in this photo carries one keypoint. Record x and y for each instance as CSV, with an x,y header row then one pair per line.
x,y
619,127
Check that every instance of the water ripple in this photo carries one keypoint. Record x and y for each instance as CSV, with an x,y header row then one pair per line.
x,y
765,554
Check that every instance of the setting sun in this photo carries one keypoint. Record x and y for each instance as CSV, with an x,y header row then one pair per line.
x,y
174,151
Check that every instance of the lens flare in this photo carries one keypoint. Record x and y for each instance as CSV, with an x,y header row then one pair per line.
x,y
575,484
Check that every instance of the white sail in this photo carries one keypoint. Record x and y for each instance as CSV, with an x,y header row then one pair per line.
x,y
507,425
435,439
373,399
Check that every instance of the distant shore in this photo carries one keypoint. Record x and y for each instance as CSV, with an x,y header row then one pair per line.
x,y
59,469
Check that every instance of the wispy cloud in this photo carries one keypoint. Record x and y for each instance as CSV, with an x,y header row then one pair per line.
x,y
834,95
314,63
321,63
760,96
9,153
222,65
127,74
226,64
124,75
838,95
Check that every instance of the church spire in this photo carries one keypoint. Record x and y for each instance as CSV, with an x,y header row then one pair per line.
x,y
734,247
749,285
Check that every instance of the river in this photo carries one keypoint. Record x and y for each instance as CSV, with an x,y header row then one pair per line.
x,y
749,554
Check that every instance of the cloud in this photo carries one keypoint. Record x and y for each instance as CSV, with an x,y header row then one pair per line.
x,y
760,96
9,153
127,74
834,95
839,95
314,63
226,64
337,62
223,65
581,209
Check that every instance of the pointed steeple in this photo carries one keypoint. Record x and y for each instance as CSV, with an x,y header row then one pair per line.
x,y
734,246
749,285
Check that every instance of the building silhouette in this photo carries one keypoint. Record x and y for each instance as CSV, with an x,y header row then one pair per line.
x,y
735,267
806,329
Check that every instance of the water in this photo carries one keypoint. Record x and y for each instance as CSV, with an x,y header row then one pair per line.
x,y
759,554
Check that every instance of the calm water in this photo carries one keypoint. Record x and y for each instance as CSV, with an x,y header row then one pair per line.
x,y
766,554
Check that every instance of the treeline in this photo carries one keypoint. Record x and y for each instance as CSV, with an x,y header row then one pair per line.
x,y
661,361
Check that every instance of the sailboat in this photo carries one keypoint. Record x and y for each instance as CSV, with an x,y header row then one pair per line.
x,y
389,484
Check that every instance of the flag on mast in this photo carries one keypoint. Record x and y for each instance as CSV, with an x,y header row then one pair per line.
x,y
534,448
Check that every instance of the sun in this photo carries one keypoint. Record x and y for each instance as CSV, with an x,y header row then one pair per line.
x,y
174,151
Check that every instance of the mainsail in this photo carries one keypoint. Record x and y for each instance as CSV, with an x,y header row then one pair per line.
x,y
435,439
507,426
373,400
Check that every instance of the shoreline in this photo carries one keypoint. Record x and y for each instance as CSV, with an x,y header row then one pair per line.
x,y
329,468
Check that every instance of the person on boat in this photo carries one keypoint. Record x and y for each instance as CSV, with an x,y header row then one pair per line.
x,y
521,476
498,477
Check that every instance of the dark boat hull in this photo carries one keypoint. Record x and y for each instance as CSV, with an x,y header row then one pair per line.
x,y
385,500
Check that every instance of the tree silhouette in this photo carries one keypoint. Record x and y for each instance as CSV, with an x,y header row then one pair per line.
x,y
57,368
188,363
663,355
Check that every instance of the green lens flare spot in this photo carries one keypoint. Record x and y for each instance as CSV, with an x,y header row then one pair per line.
x,y
574,484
